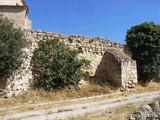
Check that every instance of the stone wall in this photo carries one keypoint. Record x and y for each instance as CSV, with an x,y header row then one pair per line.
x,y
27,23
108,61
17,15
20,81
118,69
123,67
128,74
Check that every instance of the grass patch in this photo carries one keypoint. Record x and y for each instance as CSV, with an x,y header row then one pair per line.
x,y
157,99
14,119
64,110
37,96
84,107
119,113
118,101
152,86
129,107
50,112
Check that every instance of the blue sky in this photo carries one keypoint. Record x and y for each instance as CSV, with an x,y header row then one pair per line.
x,y
105,18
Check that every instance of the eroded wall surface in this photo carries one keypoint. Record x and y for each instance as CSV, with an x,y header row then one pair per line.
x,y
104,62
17,15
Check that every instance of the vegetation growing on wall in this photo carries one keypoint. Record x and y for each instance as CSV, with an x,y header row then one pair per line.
x,y
55,65
144,43
11,42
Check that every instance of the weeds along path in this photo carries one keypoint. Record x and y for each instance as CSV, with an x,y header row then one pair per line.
x,y
77,107
85,99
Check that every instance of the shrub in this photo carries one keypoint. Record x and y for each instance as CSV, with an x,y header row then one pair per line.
x,y
11,42
144,43
55,65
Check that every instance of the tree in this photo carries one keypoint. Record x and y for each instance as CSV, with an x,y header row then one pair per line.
x,y
55,65
144,42
11,42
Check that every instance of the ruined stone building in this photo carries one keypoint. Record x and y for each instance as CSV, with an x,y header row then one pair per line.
x,y
16,11
109,63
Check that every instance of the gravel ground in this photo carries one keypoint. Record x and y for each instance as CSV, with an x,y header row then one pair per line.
x,y
75,110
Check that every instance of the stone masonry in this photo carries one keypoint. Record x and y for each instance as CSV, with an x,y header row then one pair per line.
x,y
123,67
108,61
118,69
16,11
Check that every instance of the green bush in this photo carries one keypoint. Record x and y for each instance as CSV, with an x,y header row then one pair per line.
x,y
11,42
55,65
144,43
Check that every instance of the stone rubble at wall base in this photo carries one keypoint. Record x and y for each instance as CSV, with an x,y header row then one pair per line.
x,y
93,49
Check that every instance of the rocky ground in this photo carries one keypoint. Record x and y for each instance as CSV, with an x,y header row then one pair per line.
x,y
147,112
75,108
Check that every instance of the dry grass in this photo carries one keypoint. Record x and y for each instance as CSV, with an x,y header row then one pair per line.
x,y
65,103
37,96
152,86
24,109
63,110
118,113
157,99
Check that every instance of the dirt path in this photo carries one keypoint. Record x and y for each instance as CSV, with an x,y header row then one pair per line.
x,y
79,107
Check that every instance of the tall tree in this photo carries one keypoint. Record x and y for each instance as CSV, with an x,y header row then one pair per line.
x,y
144,42
12,40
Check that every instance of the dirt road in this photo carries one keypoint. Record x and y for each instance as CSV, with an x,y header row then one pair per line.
x,y
78,107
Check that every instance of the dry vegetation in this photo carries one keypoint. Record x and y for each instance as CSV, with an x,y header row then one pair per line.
x,y
152,86
157,99
119,113
38,96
